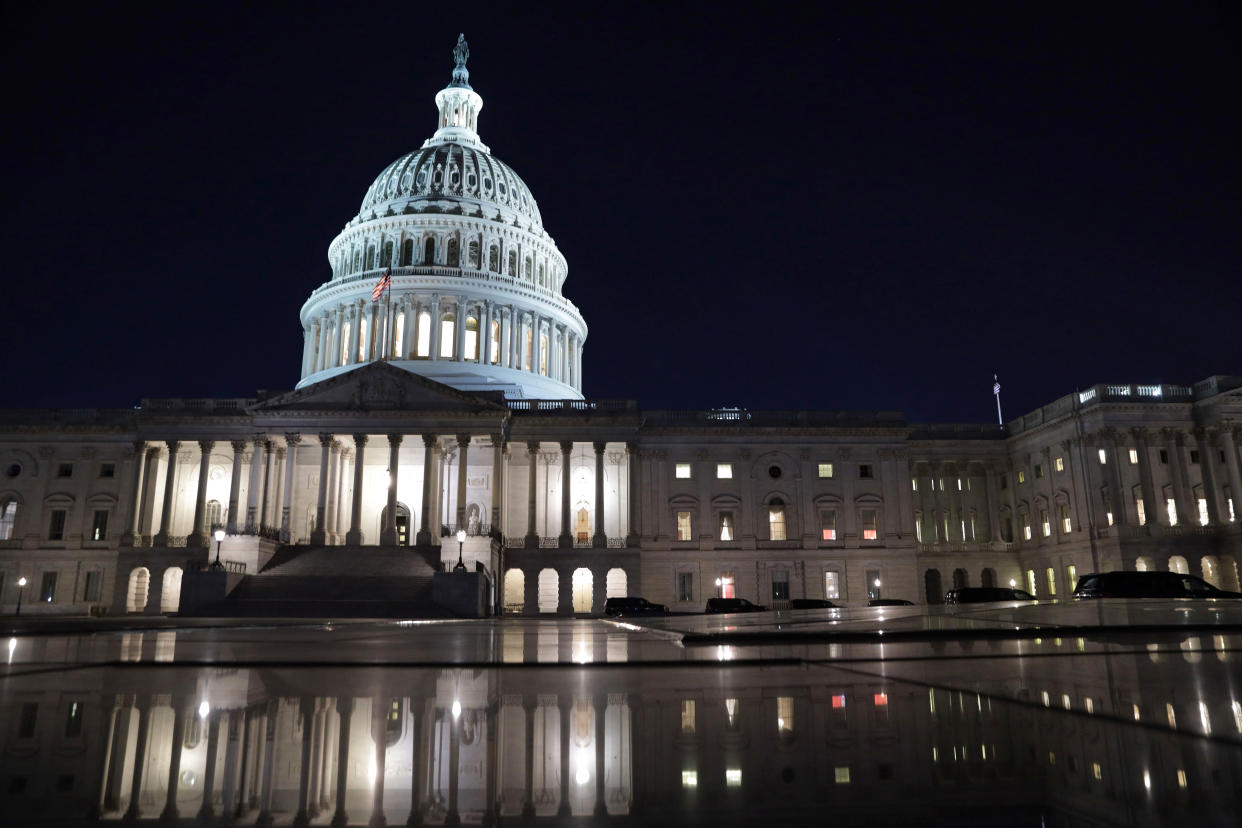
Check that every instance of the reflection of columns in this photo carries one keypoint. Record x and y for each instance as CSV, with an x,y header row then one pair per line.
x,y
318,536
345,706
198,535
112,770
600,540
286,508
232,750
491,716
601,708
566,540
379,721
267,763
140,754
424,517
306,710
417,706
528,807
245,786
135,499
463,444
453,816
566,704
354,536
239,447
388,537
212,723
633,466
532,459
170,488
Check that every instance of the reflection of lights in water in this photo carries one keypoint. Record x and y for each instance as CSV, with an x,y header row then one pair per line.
x,y
203,710
188,778
724,652
456,708
582,650
584,762
371,772
12,647
1147,780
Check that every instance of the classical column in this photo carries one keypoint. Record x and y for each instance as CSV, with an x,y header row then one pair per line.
x,y
147,508
407,327
435,326
463,444
239,447
354,536
258,459
485,333
143,704
424,517
135,498
1207,470
600,540
532,458
536,344
355,323
566,540
286,508
452,816
318,535
1175,441
379,716
170,488
272,460
1229,443
388,537
334,493
198,536
513,325
566,704
212,723
459,331
306,710
1114,477
417,706
169,814
634,467
306,350
499,449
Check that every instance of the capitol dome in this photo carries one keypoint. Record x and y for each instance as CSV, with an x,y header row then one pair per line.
x,y
474,299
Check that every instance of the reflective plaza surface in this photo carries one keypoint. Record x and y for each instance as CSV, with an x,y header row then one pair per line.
x,y
1096,713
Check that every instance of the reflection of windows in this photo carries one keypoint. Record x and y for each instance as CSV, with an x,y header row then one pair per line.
x,y
1059,464
1203,512
685,586
726,526
1140,509
1071,575
776,519
73,720
1026,527
687,717
832,584
780,585
828,524
1171,507
1030,581
683,526
47,589
870,530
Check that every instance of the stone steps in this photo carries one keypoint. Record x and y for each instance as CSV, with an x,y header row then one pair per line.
x,y
351,562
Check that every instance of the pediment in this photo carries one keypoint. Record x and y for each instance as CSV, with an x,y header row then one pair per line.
x,y
379,386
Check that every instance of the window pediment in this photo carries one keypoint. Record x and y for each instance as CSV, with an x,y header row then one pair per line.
x,y
58,499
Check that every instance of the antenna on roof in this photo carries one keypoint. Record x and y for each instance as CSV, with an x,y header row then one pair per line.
x,y
996,392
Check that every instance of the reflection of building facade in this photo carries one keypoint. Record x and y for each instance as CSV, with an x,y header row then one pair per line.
x,y
455,403
1122,743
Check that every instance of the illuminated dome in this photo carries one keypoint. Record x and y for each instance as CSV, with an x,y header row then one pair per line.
x,y
475,300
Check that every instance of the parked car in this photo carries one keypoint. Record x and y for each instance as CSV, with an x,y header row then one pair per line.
x,y
811,603
889,602
733,605
979,595
633,605
1147,585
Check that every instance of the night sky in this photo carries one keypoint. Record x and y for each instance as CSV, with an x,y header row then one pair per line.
x,y
859,206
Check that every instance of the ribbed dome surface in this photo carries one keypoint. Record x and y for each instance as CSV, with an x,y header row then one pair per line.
x,y
450,170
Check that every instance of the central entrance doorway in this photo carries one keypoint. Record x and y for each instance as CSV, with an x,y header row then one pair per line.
x,y
403,523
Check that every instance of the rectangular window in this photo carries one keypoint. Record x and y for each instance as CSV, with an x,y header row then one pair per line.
x,y
47,589
682,471
724,471
683,526
1021,477
832,584
914,483
841,775
1052,580
780,585
733,777
685,586
1133,457
94,584
873,584
1044,525
785,715
1203,512
687,717
726,526
868,521
1039,471
99,525
56,525
689,779
73,721
1059,464
1066,527
448,340
1140,509
64,470
107,470
776,522
825,470
26,723
1164,457
1026,527
1194,456
1171,507
1103,457
1071,581
828,524
726,585
1030,582
864,471
1109,516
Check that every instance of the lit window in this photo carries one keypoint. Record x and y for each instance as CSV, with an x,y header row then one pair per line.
x,y
493,344
1233,516
1109,515
733,777
1171,714
1044,525
472,338
1181,778
1071,572
1026,527
1066,526
1065,701
683,526
99,525
1136,712
1133,457
448,330
689,779
914,483
1030,581
832,589
1052,580
868,521
726,587
1059,464
1046,698
1052,758
841,775
838,701
1203,512
687,717
825,470
1171,507
683,471
1021,477
422,345
828,524
1140,509
726,526
724,471
1088,704
776,519
1103,458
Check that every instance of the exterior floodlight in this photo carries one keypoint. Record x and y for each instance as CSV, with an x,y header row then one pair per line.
x,y
219,540
203,710
461,539
456,708
877,583
1012,583
21,584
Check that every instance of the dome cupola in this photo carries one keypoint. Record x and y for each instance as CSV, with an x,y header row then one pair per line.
x,y
475,294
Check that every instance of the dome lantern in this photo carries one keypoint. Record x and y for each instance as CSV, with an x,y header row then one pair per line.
x,y
459,105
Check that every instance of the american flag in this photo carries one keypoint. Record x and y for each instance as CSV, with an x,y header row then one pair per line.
x,y
382,285
996,387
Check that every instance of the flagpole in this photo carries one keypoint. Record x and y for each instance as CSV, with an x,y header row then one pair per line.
x,y
996,391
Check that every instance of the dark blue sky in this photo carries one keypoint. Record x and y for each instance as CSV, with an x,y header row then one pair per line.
x,y
867,206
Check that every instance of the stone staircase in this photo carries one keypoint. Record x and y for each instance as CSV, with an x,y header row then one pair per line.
x,y
337,582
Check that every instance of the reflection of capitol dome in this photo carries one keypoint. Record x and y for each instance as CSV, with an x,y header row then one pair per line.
x,y
476,298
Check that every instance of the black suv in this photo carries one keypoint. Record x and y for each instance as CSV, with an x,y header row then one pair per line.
x,y
810,603
1147,585
733,605
979,595
633,605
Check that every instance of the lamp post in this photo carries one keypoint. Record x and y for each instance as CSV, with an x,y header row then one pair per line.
x,y
219,540
461,539
21,589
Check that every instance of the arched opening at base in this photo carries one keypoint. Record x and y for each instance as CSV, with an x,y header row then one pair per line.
x,y
403,523
1178,564
933,586
582,584
548,590
136,593
988,577
170,596
961,578
515,591
616,584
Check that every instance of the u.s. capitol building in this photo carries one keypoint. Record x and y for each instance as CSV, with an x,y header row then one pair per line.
x,y
454,402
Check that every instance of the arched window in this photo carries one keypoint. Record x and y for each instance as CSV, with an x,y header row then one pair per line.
x,y
543,354
407,252
386,255
170,596
357,261
429,251
493,355
543,275
136,594
8,515
515,590
371,257
453,261
472,338
423,345
529,272
513,263
493,259
776,519
448,324
472,253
